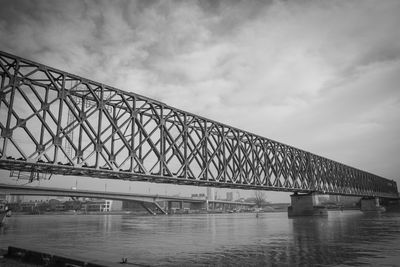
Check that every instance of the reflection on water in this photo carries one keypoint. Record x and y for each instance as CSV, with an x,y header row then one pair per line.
x,y
343,238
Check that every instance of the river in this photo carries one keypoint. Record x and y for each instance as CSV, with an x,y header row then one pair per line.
x,y
348,238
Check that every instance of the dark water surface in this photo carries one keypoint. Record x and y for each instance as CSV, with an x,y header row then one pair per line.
x,y
348,238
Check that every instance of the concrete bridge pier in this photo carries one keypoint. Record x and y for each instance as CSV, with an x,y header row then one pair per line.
x,y
369,204
180,205
306,205
169,209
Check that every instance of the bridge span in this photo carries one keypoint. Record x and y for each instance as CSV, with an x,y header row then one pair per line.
x,y
59,123
8,189
51,191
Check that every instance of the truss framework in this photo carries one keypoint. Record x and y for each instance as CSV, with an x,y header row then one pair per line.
x,y
56,122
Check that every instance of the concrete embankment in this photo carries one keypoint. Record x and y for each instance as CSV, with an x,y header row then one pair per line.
x,y
22,257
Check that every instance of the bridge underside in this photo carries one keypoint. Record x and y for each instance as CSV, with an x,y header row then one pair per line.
x,y
43,168
59,123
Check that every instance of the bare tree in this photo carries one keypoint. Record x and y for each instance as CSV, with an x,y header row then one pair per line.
x,y
260,198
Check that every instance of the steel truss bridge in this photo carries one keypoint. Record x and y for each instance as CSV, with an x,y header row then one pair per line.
x,y
55,122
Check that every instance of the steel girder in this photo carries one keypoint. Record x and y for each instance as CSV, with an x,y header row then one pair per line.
x,y
56,122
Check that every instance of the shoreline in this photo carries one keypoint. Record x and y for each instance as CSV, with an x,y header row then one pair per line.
x,y
80,213
19,257
138,213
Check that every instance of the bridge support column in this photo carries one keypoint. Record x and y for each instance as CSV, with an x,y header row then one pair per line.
x,y
371,204
169,210
305,205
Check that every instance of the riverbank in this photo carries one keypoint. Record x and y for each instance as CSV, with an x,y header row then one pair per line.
x,y
80,213
22,257
6,262
9,262
183,212
144,213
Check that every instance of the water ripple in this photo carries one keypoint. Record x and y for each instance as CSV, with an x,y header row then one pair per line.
x,y
342,239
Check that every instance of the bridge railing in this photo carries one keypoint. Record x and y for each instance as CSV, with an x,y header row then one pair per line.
x,y
56,122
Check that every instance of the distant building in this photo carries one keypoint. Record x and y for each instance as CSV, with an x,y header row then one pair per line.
x,y
14,199
198,196
96,205
73,205
210,193
56,205
30,207
102,205
116,205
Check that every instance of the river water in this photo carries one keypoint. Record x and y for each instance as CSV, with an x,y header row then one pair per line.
x,y
348,238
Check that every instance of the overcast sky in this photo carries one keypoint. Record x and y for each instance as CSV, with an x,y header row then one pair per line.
x,y
322,76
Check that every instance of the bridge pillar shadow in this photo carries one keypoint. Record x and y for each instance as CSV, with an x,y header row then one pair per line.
x,y
306,205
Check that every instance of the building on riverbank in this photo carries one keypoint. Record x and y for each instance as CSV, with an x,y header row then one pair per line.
x,y
102,205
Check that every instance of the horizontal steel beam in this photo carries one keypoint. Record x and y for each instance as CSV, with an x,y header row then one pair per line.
x,y
50,191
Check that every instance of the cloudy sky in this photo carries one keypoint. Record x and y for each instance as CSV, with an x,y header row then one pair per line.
x,y
322,76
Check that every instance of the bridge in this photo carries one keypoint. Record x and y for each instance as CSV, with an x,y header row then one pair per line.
x,y
55,122
144,199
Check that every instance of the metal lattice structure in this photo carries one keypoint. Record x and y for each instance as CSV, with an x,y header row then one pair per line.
x,y
56,122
